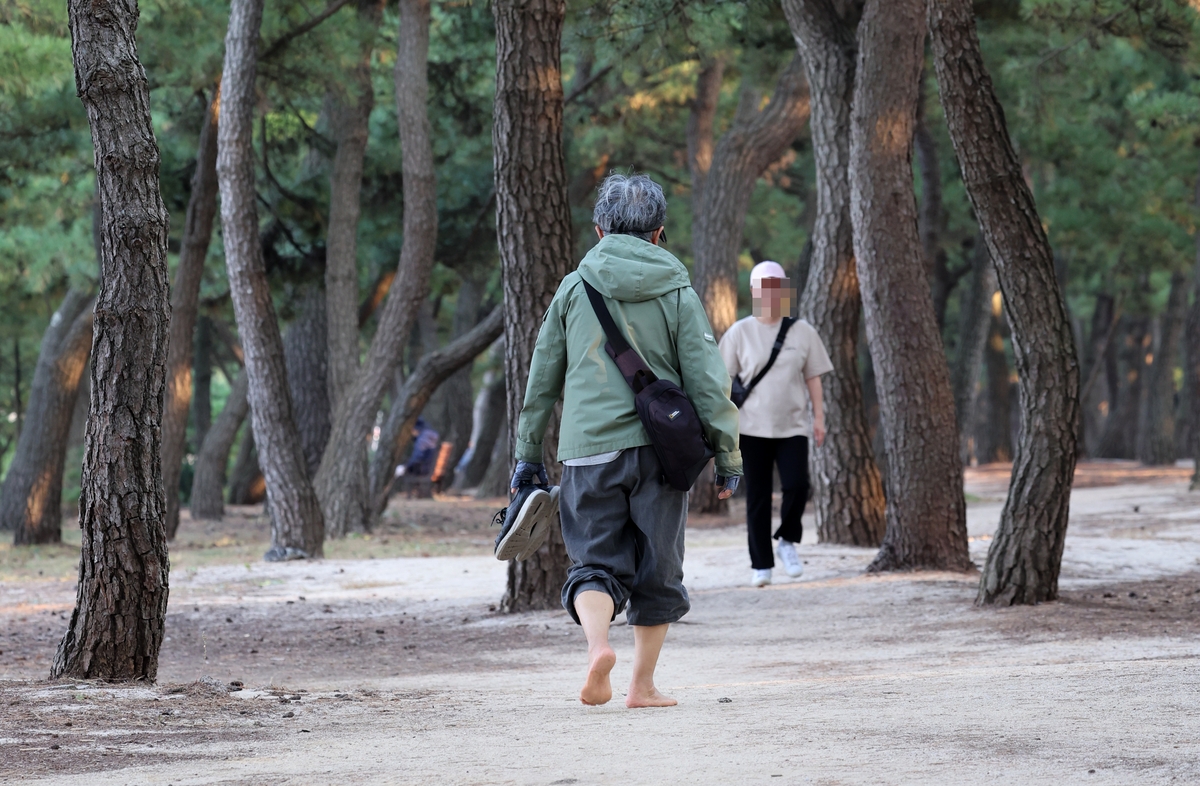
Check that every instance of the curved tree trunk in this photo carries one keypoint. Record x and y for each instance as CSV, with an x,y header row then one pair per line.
x,y
305,349
432,370
756,140
1156,433
341,497
847,490
116,629
533,224
208,483
297,529
31,497
975,314
1026,552
185,294
926,512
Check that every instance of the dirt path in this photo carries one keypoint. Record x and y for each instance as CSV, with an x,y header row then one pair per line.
x,y
398,671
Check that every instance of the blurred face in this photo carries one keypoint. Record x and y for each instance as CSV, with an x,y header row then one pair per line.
x,y
773,298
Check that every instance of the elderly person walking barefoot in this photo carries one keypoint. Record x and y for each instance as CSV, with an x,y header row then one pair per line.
x,y
776,363
623,525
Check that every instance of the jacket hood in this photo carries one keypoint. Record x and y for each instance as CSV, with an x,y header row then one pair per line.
x,y
632,270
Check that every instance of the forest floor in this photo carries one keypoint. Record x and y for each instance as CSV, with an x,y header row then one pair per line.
x,y
387,663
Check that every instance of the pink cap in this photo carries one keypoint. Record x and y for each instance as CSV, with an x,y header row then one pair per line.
x,y
766,270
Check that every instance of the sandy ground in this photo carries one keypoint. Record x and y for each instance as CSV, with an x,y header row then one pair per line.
x,y
398,670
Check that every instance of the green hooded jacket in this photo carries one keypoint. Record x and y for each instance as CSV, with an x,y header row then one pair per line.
x,y
653,303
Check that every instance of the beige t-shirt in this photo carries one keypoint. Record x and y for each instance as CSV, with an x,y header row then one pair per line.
x,y
779,406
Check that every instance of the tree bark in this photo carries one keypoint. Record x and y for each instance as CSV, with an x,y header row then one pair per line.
x,y
847,488
756,140
341,496
1156,432
702,112
208,483
533,225
202,366
926,512
185,294
1026,552
432,370
31,497
305,351
297,528
116,629
975,316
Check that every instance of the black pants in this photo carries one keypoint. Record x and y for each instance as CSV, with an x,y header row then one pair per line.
x,y
760,455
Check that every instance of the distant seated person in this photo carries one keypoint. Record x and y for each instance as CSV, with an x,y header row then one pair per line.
x,y
420,465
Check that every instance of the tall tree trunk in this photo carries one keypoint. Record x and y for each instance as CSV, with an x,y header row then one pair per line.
x,y
305,351
974,317
926,512
208,483
533,224
756,140
116,629
489,419
202,366
297,528
1156,434
1121,430
351,112
995,440
246,484
1191,369
432,370
31,497
185,295
847,488
1094,398
931,216
341,496
702,112
1026,552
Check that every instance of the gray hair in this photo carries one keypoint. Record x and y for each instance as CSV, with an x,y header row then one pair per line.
x,y
630,205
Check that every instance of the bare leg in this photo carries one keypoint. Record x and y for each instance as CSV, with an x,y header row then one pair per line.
x,y
647,643
595,610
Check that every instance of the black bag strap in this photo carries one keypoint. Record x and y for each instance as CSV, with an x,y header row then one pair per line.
x,y
779,339
637,374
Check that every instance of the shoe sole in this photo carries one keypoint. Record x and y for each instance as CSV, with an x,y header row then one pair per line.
x,y
539,533
518,542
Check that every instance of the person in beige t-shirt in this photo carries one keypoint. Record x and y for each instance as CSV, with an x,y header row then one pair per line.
x,y
776,424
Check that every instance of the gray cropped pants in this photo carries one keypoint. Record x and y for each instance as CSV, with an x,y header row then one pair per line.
x,y
624,528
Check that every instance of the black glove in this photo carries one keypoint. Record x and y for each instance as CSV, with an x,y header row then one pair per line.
x,y
729,484
524,474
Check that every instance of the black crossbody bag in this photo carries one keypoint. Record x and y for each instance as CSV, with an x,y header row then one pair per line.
x,y
664,409
739,392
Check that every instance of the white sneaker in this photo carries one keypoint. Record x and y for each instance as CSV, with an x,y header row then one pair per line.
x,y
761,578
786,551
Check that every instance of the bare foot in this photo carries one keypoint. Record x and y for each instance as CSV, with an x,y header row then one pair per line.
x,y
647,698
597,689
